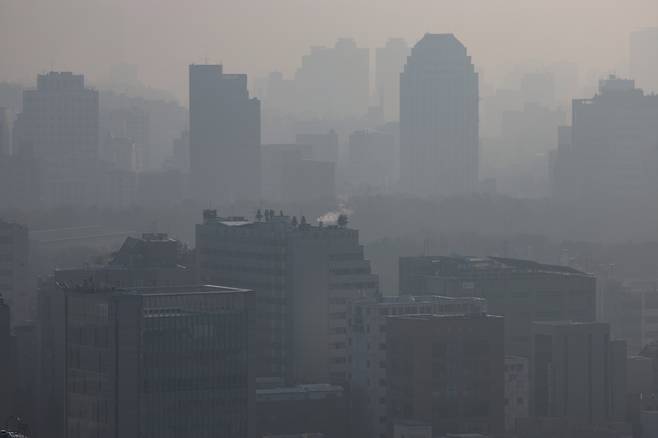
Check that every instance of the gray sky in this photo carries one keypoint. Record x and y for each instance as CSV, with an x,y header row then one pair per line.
x,y
256,36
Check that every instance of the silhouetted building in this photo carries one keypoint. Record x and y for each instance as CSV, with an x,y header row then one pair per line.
x,y
15,276
224,136
517,390
372,159
288,176
644,58
447,371
577,373
521,290
303,409
154,260
439,119
59,127
333,82
389,62
146,362
304,275
612,154
324,147
368,346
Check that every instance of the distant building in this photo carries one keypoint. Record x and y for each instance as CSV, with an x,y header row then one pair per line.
x,y
521,290
447,371
15,277
324,147
7,363
517,390
304,275
157,188
133,125
368,381
612,154
154,260
439,138
644,58
152,362
224,137
372,159
389,62
5,132
577,373
304,409
289,177
334,82
119,152
59,126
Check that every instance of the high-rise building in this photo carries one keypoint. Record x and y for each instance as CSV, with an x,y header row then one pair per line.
x,y
447,371
5,132
372,159
644,58
517,390
304,276
59,127
15,278
333,82
368,378
612,154
439,137
146,362
577,373
521,290
224,136
389,62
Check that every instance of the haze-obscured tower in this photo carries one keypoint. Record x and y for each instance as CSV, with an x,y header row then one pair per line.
x,y
438,118
389,62
224,136
644,58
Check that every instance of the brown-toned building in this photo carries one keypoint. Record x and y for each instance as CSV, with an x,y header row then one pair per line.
x,y
447,371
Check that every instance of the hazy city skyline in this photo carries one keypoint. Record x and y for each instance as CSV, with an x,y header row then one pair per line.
x,y
257,37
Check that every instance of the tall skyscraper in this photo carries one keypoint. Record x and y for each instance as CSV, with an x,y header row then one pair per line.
x,y
522,291
644,59
224,136
146,362
611,154
439,137
389,62
447,371
304,276
59,127
577,373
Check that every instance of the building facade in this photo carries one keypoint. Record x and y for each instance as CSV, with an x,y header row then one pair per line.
x,y
16,285
447,371
368,347
224,136
304,276
146,362
439,139
521,290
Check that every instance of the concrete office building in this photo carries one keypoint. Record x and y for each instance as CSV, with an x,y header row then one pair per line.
x,y
521,290
16,284
439,138
368,346
611,155
447,371
577,373
146,362
304,276
224,136
389,62
303,409
644,58
59,127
